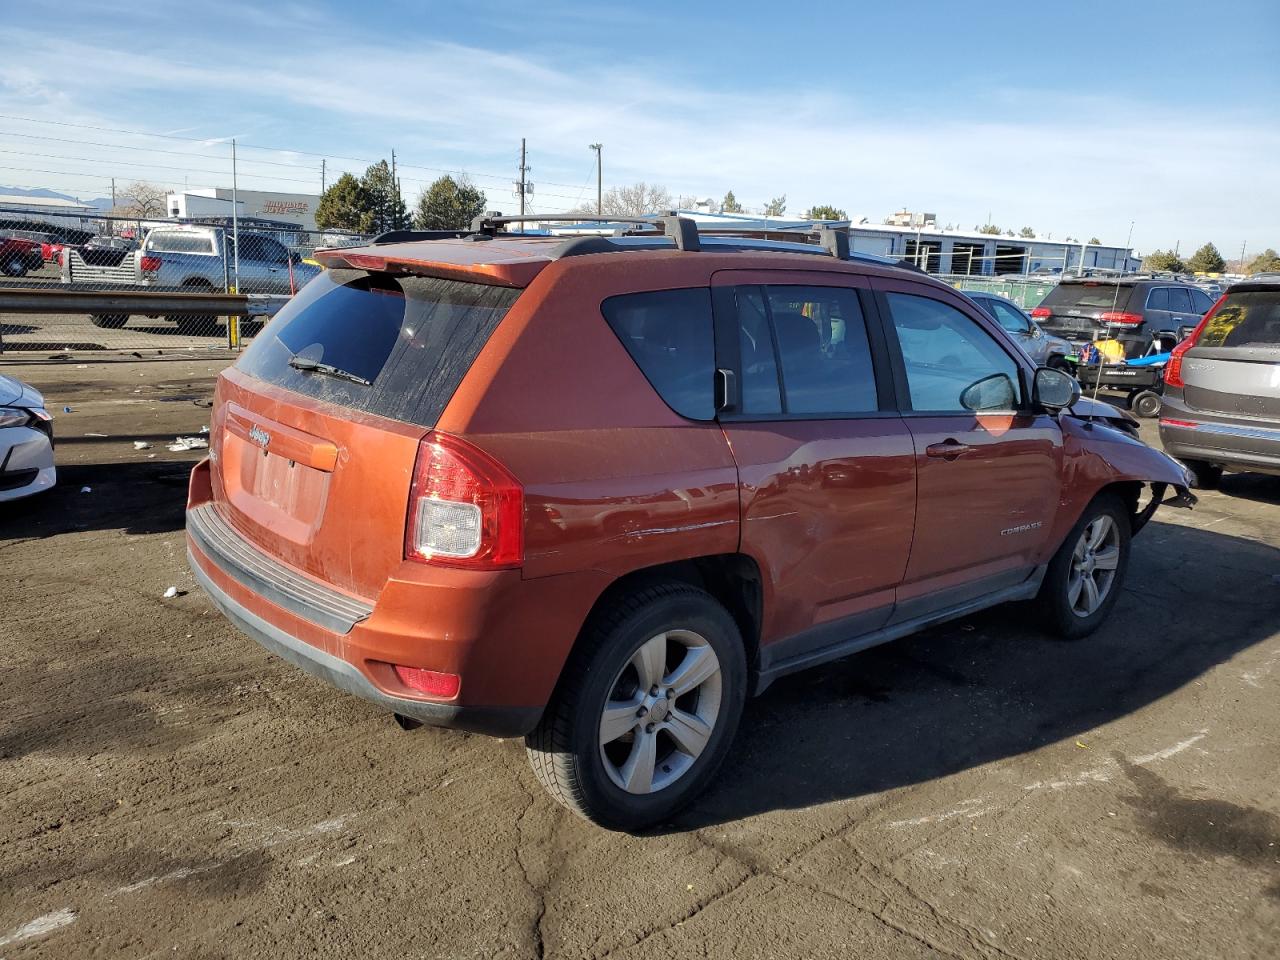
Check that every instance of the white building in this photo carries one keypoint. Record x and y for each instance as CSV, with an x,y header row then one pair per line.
x,y
53,210
299,208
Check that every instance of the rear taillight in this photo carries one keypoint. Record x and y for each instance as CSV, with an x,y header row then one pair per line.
x,y
465,508
150,264
1173,369
1121,319
431,682
1040,313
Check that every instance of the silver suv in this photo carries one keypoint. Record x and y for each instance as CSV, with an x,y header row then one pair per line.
x,y
1222,387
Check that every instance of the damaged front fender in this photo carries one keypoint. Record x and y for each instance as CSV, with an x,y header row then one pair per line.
x,y
1097,455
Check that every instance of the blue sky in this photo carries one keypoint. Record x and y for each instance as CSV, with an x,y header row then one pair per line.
x,y
1073,119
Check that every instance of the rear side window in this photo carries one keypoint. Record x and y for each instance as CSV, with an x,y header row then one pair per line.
x,y
1249,319
1158,299
412,338
668,334
160,242
1101,295
822,343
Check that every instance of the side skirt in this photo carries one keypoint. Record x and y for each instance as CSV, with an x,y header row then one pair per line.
x,y
816,646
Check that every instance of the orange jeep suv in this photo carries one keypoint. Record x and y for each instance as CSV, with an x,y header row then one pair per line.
x,y
596,491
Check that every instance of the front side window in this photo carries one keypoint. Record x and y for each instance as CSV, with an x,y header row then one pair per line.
x,y
669,335
1179,300
1200,302
952,364
1009,318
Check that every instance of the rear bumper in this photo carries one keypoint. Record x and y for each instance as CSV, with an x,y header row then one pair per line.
x,y
1238,444
494,721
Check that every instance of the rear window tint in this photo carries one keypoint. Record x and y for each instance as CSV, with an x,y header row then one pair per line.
x,y
1101,295
1245,320
413,338
179,243
668,334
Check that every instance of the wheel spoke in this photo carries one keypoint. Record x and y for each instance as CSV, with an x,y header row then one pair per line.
x,y
698,666
637,772
1107,559
689,731
1091,596
1098,531
650,661
1074,586
619,718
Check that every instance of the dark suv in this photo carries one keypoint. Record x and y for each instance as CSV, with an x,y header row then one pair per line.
x,y
596,492
1137,311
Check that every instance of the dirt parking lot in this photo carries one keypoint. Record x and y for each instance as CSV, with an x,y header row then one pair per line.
x,y
978,791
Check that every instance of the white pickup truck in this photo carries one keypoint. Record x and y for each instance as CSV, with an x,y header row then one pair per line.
x,y
195,258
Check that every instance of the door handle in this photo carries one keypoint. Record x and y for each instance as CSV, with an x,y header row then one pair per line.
x,y
949,449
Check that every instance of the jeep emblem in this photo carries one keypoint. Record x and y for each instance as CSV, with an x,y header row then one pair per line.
x,y
259,436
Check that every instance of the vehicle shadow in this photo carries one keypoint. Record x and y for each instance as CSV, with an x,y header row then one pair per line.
x,y
1259,487
145,497
992,686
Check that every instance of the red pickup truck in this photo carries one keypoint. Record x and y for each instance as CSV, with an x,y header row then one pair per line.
x,y
18,256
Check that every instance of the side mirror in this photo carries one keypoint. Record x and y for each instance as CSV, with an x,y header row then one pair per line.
x,y
1184,332
995,392
1055,390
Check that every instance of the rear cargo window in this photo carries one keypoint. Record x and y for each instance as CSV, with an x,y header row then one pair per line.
x,y
1103,295
668,334
159,242
1245,320
412,338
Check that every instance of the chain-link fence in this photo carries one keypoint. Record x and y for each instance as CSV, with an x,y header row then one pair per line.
x,y
74,252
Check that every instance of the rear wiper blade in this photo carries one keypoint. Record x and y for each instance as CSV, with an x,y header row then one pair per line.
x,y
315,366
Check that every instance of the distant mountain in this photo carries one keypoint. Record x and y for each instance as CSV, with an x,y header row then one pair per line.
x,y
101,203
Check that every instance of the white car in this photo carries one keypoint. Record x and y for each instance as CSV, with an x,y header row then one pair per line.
x,y
26,441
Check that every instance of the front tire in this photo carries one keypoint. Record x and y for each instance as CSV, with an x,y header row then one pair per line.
x,y
646,710
1085,576
1145,403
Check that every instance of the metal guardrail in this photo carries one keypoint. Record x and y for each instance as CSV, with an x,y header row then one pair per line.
x,y
36,300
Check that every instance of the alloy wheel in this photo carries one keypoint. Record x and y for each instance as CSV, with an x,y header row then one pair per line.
x,y
1093,566
661,711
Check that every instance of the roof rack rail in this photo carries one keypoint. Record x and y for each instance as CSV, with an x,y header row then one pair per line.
x,y
407,236
681,229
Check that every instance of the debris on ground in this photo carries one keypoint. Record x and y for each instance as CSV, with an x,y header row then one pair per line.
x,y
188,443
86,489
141,445
171,593
95,434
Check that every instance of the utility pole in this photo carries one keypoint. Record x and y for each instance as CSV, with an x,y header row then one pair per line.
x,y
1242,246
235,217
322,165
113,194
523,186
395,194
599,149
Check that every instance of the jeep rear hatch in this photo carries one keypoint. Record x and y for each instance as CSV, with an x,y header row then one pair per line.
x,y
317,426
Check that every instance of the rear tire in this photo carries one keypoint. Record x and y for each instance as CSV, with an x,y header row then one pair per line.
x,y
613,750
195,324
15,268
1204,475
1145,403
109,321
1085,576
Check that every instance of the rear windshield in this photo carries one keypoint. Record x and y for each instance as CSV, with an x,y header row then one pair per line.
x,y
1104,295
179,242
1245,320
412,338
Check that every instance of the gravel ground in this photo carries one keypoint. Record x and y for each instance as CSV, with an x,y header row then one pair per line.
x,y
980,791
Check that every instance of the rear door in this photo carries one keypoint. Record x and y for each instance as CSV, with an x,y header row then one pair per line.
x,y
826,465
988,470
315,469
1234,367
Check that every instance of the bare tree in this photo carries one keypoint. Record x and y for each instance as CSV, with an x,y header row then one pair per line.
x,y
632,201
141,199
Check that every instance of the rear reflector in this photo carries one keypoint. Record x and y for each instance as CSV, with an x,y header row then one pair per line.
x,y
1169,422
1041,312
431,682
150,264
